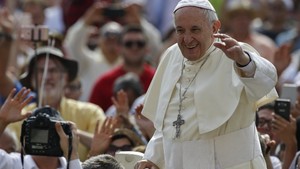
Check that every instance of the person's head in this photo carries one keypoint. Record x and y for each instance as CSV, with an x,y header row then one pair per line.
x,y
123,140
60,71
133,11
102,161
264,117
8,141
36,9
195,22
238,14
109,40
73,90
277,11
131,84
134,45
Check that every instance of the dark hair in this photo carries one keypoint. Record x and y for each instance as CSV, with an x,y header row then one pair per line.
x,y
133,28
129,81
120,136
269,106
102,161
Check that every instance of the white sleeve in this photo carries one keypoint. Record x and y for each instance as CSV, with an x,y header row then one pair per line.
x,y
75,43
11,161
248,70
155,151
263,81
75,164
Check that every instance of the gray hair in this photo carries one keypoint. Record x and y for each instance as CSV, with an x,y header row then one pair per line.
x,y
102,161
210,15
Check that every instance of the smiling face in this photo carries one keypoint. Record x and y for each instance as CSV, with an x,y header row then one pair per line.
x,y
134,48
194,32
55,80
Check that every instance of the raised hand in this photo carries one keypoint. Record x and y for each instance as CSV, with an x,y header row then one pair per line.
x,y
94,15
282,58
231,48
102,136
283,129
138,110
286,132
11,110
121,103
6,21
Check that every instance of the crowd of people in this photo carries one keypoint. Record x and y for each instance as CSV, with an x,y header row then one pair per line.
x,y
187,83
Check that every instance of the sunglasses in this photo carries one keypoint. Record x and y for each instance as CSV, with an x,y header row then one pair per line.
x,y
113,148
137,43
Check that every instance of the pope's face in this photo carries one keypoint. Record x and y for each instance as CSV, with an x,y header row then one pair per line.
x,y
194,32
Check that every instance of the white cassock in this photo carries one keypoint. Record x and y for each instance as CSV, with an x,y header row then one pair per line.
x,y
219,111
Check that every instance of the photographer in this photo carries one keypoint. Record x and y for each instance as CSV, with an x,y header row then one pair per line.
x,y
60,71
9,113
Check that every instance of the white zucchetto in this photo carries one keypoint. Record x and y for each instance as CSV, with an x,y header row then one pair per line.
x,y
205,4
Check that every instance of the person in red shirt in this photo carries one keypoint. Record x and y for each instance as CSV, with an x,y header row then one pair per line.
x,y
134,50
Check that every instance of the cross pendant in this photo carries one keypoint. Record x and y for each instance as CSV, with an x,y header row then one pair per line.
x,y
177,125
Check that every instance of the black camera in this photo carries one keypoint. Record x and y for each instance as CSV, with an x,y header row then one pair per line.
x,y
114,12
39,136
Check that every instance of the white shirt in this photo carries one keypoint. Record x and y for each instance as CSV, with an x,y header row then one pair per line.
x,y
13,161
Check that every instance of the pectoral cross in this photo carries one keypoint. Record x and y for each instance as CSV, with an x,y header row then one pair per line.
x,y
177,125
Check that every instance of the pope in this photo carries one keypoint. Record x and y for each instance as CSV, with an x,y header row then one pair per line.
x,y
204,95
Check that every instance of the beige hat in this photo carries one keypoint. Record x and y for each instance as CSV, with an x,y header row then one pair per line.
x,y
233,6
111,28
137,2
205,4
70,65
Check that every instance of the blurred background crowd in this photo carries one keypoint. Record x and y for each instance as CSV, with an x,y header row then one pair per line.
x,y
116,46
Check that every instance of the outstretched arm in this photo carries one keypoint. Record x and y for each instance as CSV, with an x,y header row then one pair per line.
x,y
6,45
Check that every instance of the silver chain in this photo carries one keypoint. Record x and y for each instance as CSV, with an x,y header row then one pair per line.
x,y
182,96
